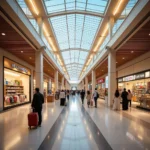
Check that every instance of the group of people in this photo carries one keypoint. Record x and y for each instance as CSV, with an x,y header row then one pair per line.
x,y
126,99
38,99
90,97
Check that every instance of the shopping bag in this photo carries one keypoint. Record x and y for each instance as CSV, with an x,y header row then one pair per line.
x,y
92,102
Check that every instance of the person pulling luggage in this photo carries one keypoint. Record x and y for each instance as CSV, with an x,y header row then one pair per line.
x,y
37,102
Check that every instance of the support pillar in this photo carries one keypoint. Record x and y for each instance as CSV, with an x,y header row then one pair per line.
x,y
49,85
62,83
111,24
111,76
56,80
86,84
93,81
40,23
39,70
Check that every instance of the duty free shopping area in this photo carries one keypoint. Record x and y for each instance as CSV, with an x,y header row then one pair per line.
x,y
67,49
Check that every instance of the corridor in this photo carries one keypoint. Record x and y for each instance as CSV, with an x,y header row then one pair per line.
x,y
74,130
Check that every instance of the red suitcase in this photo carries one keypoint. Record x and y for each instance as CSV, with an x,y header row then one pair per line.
x,y
32,119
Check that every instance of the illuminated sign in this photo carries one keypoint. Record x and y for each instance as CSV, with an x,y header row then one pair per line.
x,y
140,76
19,68
101,80
129,78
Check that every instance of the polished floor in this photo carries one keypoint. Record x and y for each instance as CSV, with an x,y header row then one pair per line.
x,y
76,127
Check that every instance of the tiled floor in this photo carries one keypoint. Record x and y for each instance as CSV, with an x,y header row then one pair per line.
x,y
75,131
122,132
14,132
76,127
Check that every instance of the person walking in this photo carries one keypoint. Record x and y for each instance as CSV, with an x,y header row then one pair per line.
x,y
88,97
82,96
62,97
68,93
95,95
38,100
124,99
116,105
129,97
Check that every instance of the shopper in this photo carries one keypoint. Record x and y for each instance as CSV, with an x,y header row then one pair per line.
x,y
82,96
62,97
68,93
88,97
129,97
116,105
124,100
95,95
38,100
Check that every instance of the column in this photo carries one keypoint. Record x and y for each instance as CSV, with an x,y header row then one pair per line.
x,y
1,81
110,26
56,80
39,69
93,81
82,83
49,84
86,84
40,23
62,83
111,76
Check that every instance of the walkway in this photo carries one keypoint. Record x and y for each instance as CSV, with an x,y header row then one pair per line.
x,y
76,128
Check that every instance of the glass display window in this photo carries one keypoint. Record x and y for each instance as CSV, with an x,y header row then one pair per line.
x,y
16,88
139,88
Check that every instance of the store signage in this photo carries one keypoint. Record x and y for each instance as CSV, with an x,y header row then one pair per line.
x,y
19,68
140,76
15,66
129,78
101,80
120,80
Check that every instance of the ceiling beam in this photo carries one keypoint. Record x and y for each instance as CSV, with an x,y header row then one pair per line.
x,y
75,49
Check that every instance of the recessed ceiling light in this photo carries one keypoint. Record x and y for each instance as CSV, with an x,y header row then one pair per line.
x,y
123,58
149,34
21,51
132,51
30,57
3,34
116,62
102,70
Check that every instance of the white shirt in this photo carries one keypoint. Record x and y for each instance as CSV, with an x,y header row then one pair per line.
x,y
95,93
62,95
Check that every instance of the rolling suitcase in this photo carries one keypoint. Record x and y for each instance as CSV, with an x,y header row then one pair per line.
x,y
32,119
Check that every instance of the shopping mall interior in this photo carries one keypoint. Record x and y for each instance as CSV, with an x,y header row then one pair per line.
x,y
79,54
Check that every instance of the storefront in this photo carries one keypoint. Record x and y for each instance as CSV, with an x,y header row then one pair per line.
x,y
17,84
139,84
101,87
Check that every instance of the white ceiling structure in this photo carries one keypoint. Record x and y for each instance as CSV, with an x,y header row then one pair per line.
x,y
75,24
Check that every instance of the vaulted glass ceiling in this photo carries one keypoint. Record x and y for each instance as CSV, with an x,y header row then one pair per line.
x,y
98,6
75,34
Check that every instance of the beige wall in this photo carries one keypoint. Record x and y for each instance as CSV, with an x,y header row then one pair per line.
x,y
137,65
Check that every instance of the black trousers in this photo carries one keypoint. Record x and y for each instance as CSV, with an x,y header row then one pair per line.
x,y
95,99
39,111
68,97
82,98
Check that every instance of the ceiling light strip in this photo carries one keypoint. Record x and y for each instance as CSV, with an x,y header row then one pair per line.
x,y
117,8
34,7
